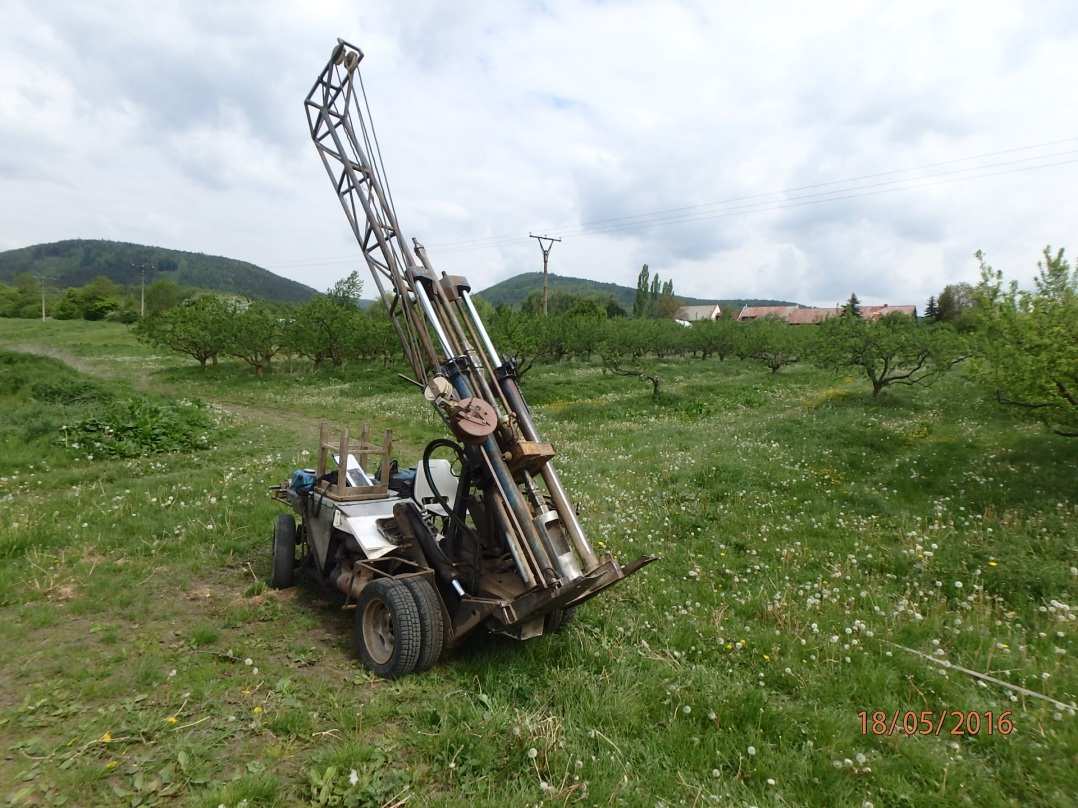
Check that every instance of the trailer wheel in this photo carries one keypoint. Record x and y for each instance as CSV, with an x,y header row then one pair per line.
x,y
431,622
284,552
388,633
558,619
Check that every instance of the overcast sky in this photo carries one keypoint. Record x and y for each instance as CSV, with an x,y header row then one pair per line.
x,y
739,148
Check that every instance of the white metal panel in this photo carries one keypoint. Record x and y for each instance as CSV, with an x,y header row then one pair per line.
x,y
442,472
361,520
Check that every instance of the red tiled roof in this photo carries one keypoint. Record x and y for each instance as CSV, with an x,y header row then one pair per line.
x,y
754,312
875,312
811,316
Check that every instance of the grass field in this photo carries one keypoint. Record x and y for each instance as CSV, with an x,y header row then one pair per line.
x,y
808,535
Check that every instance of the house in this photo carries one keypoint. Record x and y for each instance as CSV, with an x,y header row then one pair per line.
x,y
689,314
812,315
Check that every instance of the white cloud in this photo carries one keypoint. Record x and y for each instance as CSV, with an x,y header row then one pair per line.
x,y
181,124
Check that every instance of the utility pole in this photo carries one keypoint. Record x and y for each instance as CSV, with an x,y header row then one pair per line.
x,y
142,295
545,244
42,279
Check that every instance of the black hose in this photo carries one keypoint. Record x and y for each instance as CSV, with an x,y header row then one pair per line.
x,y
456,513
443,500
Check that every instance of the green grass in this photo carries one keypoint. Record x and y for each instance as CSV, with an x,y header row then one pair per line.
x,y
806,531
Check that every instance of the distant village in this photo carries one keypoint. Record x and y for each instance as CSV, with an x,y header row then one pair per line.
x,y
794,315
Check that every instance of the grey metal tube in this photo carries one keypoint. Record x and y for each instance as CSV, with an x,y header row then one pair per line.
x,y
568,513
517,506
480,329
550,477
428,309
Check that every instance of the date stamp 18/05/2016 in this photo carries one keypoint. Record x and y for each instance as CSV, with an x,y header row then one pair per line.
x,y
935,722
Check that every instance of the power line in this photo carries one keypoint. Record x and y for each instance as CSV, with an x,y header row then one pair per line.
x,y
594,222
849,189
798,202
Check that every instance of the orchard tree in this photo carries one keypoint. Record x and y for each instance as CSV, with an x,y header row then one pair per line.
x,y
321,328
1028,341
713,337
162,294
516,337
196,328
774,342
381,337
256,334
623,358
894,349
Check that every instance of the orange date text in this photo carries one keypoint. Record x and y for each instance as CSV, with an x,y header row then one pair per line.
x,y
935,722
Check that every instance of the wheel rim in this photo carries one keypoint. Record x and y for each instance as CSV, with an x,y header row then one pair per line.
x,y
378,631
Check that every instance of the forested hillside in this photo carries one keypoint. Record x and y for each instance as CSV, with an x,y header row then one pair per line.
x,y
514,291
76,262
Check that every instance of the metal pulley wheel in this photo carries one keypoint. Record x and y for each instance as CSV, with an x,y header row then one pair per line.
x,y
473,419
438,388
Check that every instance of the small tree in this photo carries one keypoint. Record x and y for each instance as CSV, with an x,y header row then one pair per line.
x,y
852,307
890,350
347,291
931,310
1028,341
641,300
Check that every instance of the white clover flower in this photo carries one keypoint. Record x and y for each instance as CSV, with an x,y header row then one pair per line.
x,y
752,751
353,777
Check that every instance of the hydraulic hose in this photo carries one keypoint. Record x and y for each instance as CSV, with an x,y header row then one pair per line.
x,y
442,499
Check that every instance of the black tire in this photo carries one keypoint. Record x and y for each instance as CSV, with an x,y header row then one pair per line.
x,y
431,622
284,552
558,619
388,634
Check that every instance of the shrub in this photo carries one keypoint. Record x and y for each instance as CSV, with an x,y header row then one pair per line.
x,y
69,391
1028,342
140,426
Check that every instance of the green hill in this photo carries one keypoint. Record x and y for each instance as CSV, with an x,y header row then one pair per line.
x,y
77,261
514,291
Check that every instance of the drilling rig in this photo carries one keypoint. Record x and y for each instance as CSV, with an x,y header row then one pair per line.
x,y
488,539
